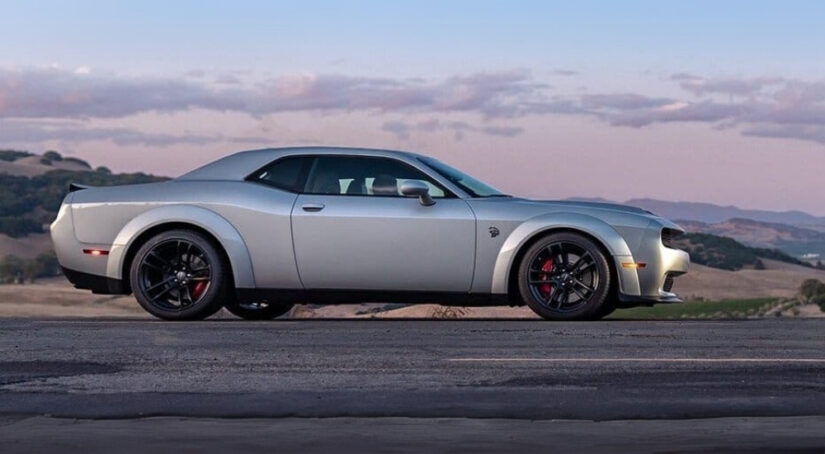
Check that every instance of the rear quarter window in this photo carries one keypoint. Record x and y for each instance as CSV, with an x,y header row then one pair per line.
x,y
287,173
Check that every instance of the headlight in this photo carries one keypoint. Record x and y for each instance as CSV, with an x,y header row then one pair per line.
x,y
671,238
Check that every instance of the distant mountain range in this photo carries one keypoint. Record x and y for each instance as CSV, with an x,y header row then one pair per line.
x,y
710,213
796,241
794,232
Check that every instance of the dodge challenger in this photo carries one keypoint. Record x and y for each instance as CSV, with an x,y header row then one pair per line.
x,y
259,231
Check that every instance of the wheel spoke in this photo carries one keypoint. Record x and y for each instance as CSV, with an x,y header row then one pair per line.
x,y
163,292
154,267
200,275
187,296
154,255
583,285
189,255
585,267
584,259
550,297
563,256
579,293
562,297
153,287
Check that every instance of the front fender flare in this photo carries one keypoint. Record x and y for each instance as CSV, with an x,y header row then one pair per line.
x,y
212,222
603,232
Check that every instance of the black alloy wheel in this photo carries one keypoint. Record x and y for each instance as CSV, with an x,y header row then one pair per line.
x,y
565,276
179,275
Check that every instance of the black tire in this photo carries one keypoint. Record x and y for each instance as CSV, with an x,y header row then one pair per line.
x,y
607,309
259,310
180,275
564,265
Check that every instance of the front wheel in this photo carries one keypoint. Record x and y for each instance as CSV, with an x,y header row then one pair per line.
x,y
262,310
179,275
565,276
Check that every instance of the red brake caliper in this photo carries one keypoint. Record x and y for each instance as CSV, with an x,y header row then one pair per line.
x,y
547,267
200,286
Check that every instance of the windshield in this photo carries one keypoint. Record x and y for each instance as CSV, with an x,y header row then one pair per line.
x,y
469,184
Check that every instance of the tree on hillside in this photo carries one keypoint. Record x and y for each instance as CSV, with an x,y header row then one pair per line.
x,y
29,203
813,291
53,156
13,155
13,269
759,265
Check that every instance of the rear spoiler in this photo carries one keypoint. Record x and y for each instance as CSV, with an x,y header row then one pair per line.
x,y
77,187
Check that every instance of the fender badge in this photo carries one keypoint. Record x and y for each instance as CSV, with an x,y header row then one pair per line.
x,y
493,232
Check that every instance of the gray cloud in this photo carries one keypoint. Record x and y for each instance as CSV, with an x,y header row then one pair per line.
x,y
403,130
504,131
622,101
758,105
700,86
398,128
55,93
565,72
708,112
762,107
35,131
801,132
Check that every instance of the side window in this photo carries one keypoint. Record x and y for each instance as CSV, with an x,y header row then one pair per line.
x,y
286,173
365,176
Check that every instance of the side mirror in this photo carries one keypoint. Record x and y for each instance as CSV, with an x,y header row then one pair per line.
x,y
417,188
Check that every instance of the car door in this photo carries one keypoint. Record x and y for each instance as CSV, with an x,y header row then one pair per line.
x,y
353,230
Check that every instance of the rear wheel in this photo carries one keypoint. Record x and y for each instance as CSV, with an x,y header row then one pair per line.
x,y
262,310
565,276
179,275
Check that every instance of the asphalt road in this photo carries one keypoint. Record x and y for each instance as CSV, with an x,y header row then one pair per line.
x,y
409,385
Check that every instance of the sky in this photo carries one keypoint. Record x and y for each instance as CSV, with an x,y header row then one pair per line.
x,y
705,101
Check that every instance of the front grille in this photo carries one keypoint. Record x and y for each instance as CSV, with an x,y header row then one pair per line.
x,y
670,237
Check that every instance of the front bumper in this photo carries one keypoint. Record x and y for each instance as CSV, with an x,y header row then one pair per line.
x,y
657,279
626,301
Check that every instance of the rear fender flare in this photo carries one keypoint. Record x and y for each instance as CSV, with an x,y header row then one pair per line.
x,y
228,237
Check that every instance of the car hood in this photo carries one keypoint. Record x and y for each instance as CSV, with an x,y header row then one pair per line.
x,y
592,205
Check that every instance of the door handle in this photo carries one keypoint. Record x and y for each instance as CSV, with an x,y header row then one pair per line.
x,y
313,207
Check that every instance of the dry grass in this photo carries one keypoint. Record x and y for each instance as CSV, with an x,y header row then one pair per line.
x,y
27,247
448,312
778,280
56,298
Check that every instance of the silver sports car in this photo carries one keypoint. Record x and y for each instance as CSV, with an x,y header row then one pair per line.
x,y
259,231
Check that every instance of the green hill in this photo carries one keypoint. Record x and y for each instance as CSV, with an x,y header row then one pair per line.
x,y
728,254
29,203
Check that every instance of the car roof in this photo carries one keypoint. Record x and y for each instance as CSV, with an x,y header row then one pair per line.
x,y
239,165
